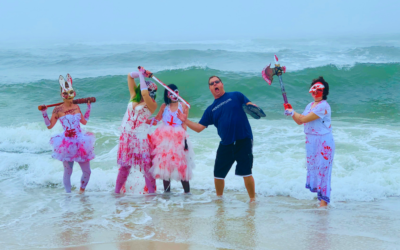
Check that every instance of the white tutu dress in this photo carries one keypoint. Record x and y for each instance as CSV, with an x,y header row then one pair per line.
x,y
170,160
134,147
74,144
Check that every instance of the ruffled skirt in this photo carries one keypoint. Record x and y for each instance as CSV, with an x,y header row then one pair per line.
x,y
79,148
170,160
320,152
134,150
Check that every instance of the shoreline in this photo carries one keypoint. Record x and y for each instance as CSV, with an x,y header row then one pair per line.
x,y
200,221
132,244
140,245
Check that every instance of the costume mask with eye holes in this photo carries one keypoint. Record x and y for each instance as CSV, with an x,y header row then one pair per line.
x,y
67,92
317,89
172,96
152,88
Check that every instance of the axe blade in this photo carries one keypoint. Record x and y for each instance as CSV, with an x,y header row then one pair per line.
x,y
268,74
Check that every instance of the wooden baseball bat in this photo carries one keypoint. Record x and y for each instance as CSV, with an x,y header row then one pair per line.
x,y
77,101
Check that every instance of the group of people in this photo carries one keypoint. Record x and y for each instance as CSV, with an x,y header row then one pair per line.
x,y
164,154
167,153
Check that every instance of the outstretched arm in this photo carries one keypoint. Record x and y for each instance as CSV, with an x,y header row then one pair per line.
x,y
192,125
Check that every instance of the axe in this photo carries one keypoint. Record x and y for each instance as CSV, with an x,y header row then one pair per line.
x,y
268,75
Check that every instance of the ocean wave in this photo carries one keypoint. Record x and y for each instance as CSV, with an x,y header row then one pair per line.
x,y
246,56
365,91
365,166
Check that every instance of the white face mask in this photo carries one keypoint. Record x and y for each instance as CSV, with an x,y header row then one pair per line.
x,y
66,87
317,89
172,96
152,88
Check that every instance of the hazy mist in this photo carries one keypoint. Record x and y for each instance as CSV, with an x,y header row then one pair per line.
x,y
130,21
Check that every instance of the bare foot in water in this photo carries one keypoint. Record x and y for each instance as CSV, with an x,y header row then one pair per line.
x,y
252,200
81,190
323,204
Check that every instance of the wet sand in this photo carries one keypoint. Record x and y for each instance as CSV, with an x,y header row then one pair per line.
x,y
137,245
96,220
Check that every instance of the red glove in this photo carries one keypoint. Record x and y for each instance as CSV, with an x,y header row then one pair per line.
x,y
287,106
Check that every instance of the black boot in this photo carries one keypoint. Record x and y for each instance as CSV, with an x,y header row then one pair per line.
x,y
167,186
186,186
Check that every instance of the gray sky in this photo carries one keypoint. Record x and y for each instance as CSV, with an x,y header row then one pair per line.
x,y
184,20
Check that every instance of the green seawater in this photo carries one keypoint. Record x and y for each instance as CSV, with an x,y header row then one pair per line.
x,y
365,91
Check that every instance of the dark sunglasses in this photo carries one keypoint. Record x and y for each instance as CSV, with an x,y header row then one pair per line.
x,y
216,82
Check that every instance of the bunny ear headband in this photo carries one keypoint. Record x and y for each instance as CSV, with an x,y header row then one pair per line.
x,y
66,86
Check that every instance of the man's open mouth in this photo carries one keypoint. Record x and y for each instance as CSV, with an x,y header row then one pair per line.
x,y
216,89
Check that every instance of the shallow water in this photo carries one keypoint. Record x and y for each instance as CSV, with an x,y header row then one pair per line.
x,y
365,166
38,218
364,77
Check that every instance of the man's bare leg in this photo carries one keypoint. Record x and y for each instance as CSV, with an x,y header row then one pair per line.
x,y
219,186
250,186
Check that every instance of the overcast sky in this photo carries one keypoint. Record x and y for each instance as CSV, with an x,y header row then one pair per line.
x,y
185,20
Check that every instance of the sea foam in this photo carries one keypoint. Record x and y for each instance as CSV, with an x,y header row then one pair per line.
x,y
365,166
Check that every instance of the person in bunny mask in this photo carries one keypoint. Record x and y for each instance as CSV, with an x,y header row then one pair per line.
x,y
73,144
320,145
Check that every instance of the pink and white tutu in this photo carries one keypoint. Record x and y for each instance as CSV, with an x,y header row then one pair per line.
x,y
170,160
134,147
73,144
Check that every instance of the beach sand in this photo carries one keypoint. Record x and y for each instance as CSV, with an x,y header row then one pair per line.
x,y
137,245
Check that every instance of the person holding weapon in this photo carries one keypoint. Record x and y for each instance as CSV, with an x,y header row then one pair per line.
x,y
134,144
228,114
172,153
73,144
320,146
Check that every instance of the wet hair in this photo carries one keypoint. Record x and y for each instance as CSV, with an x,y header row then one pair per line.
x,y
166,99
212,77
326,85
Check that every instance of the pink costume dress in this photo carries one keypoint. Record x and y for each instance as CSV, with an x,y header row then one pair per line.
x,y
134,146
170,159
320,148
74,144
